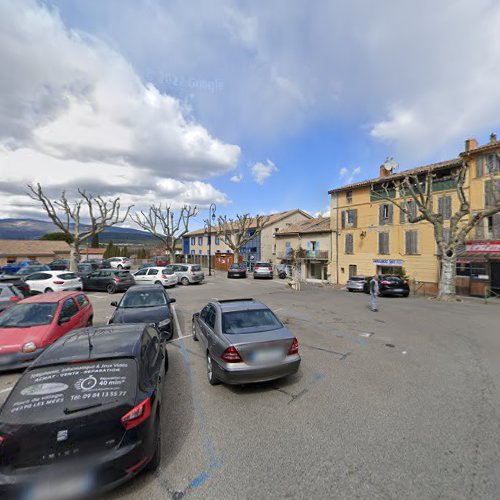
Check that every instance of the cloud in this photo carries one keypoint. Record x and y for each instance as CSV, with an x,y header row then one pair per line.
x,y
75,113
348,175
236,178
261,171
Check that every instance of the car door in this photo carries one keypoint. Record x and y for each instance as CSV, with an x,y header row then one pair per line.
x,y
152,275
85,310
67,319
141,276
103,279
38,282
89,282
209,326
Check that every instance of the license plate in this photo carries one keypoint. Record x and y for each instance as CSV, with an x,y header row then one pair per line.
x,y
267,355
62,488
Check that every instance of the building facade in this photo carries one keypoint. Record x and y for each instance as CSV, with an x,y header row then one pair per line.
x,y
42,251
371,235
306,245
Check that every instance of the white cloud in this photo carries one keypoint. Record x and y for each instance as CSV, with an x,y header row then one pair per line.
x,y
75,111
349,175
236,178
261,171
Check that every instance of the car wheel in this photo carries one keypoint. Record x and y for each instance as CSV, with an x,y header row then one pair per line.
x,y
90,322
212,379
193,331
47,290
110,288
349,290
119,266
158,283
154,463
184,281
406,294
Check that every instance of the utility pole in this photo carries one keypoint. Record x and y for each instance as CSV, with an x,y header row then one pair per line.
x,y
211,217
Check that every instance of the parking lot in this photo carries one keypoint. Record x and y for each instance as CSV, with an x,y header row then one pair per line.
x,y
404,403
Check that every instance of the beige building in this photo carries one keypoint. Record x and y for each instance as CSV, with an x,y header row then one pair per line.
x,y
262,247
42,251
307,245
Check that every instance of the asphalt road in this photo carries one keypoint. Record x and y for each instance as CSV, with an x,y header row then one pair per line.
x,y
404,403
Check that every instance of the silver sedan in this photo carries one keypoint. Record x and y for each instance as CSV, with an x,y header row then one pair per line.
x,y
244,342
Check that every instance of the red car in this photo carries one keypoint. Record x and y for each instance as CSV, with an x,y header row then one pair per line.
x,y
27,328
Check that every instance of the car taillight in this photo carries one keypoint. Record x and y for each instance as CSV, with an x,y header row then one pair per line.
x,y
117,280
257,268
231,355
137,415
385,282
58,282
294,348
2,440
163,277
14,299
405,282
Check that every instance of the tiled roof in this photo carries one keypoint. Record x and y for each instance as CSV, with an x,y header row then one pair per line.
x,y
269,219
399,175
32,247
317,225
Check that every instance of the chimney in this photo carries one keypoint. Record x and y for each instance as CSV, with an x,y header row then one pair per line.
x,y
493,137
470,144
384,172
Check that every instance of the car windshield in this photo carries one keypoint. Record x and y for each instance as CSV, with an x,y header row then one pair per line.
x,y
262,264
26,315
143,299
234,266
121,274
167,270
257,320
357,278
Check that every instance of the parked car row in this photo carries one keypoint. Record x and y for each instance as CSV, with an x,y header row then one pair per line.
x,y
261,270
389,285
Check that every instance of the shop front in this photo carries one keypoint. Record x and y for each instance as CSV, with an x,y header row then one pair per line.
x,y
388,266
478,269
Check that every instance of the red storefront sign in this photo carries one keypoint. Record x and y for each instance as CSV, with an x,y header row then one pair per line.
x,y
488,246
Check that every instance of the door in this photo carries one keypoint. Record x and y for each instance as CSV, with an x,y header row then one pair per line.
x,y
202,327
353,270
38,282
68,318
152,275
495,277
102,280
140,276
90,283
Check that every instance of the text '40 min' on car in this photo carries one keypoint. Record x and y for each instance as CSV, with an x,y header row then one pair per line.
x,y
244,342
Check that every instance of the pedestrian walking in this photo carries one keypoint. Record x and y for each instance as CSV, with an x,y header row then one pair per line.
x,y
374,293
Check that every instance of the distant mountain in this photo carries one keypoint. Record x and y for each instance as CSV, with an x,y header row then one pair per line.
x,y
32,229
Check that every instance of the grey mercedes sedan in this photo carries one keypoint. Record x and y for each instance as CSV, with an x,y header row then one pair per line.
x,y
244,342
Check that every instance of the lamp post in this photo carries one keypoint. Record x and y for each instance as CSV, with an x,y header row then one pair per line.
x,y
211,217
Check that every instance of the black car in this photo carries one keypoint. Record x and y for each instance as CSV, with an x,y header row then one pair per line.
x,y
85,269
146,304
59,265
85,416
389,285
108,280
237,271
9,295
20,284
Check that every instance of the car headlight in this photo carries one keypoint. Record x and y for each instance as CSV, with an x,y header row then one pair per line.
x,y
29,347
165,322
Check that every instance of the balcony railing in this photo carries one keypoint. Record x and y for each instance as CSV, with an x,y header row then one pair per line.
x,y
306,254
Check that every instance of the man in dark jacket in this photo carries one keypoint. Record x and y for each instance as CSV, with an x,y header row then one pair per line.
x,y
374,293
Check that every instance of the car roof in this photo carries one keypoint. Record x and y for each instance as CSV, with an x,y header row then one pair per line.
x,y
244,304
145,288
49,297
111,341
359,276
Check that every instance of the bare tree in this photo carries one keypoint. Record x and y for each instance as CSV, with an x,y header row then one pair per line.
x,y
165,224
416,202
67,216
238,232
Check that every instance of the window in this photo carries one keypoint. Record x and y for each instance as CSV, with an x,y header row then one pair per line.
x,y
349,244
412,208
82,301
444,207
385,214
200,252
152,272
193,240
353,270
479,166
411,242
489,192
383,243
193,252
492,163
463,268
257,320
143,272
69,309
217,240
348,197
349,218
210,318
200,240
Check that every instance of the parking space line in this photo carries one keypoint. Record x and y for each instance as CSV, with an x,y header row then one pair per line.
x,y
178,338
6,390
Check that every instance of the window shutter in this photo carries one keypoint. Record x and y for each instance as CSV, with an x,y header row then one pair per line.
x,y
448,207
415,242
407,242
380,243
440,206
381,220
402,215
342,216
496,226
355,217
479,166
488,193
391,213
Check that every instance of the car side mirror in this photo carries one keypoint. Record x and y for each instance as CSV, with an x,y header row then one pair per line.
x,y
196,315
63,320
114,303
172,301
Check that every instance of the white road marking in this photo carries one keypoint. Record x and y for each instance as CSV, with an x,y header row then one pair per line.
x,y
177,326
179,338
6,390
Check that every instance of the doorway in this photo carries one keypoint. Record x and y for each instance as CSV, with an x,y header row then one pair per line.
x,y
353,270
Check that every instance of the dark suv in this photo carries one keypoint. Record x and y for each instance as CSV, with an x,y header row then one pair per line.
x,y
109,280
389,285
85,416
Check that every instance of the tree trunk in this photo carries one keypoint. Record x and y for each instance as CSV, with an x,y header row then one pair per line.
x,y
95,241
236,255
171,255
73,257
447,290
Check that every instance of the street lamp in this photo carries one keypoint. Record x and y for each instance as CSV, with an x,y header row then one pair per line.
x,y
208,224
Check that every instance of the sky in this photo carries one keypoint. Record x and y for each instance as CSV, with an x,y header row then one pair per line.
x,y
256,107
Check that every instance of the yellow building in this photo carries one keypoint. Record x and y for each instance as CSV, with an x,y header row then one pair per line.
x,y
371,235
